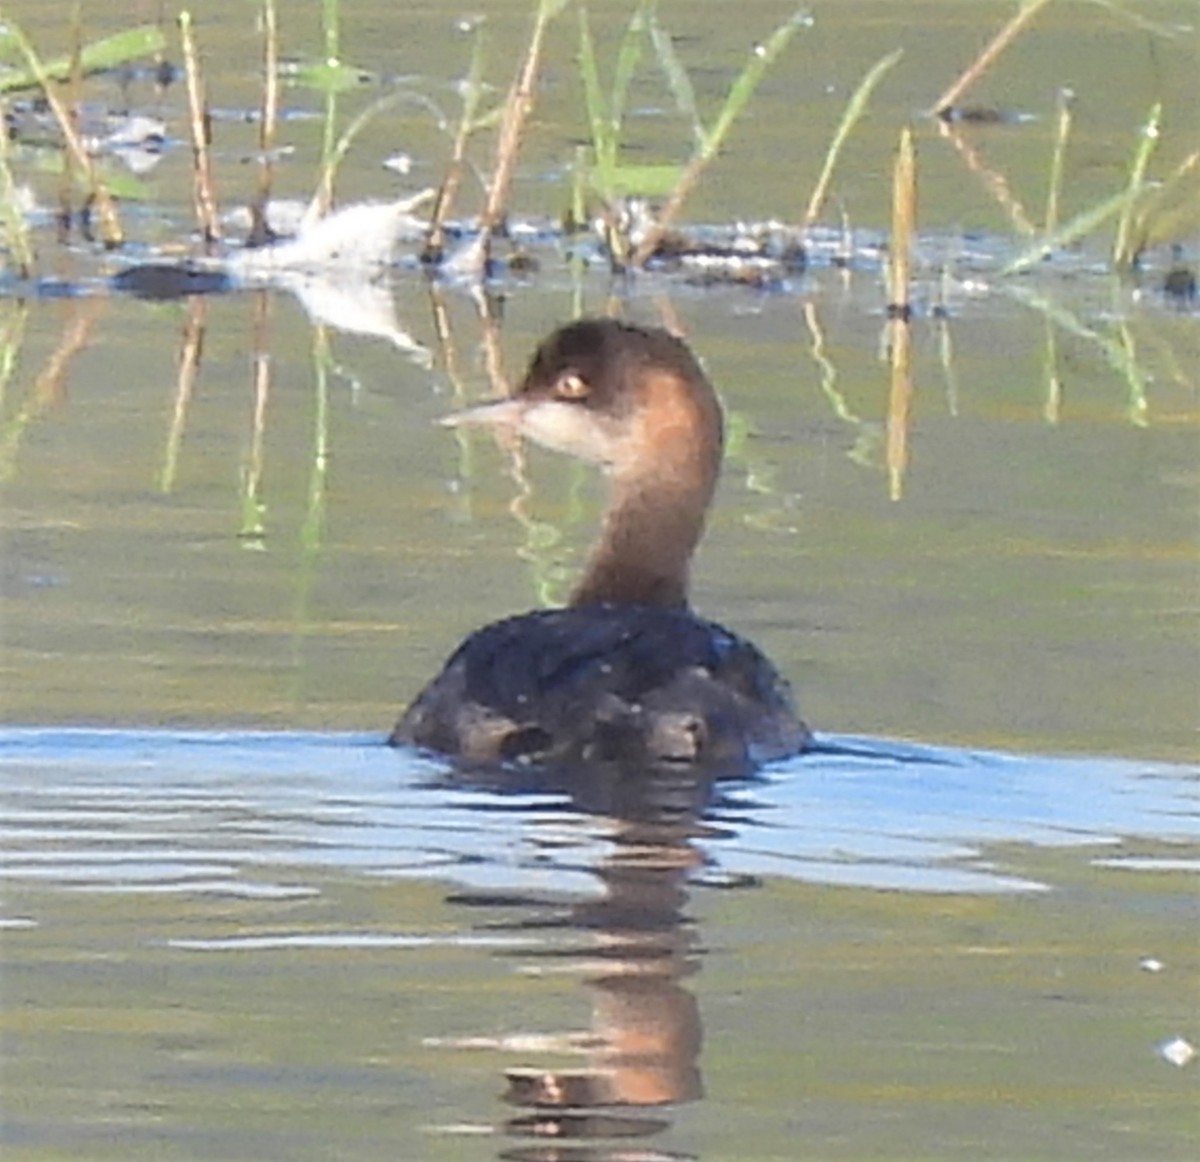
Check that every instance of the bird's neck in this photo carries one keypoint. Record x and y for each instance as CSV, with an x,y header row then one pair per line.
x,y
656,513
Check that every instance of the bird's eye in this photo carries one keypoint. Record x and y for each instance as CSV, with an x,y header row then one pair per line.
x,y
572,387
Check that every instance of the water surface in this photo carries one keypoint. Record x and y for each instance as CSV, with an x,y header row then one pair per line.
x,y
266,945
234,536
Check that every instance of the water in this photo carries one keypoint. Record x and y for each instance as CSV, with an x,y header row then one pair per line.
x,y
235,542
307,945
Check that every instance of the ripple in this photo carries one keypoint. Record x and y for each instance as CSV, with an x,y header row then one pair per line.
x,y
219,812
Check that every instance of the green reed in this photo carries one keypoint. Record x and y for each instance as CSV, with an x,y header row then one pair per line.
x,y
1085,223
708,140
98,56
853,113
1123,255
1168,213
608,175
1064,103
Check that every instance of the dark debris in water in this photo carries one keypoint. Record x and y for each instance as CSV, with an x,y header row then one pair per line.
x,y
1179,284
981,115
161,281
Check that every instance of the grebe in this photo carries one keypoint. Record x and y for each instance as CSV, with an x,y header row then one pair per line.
x,y
626,673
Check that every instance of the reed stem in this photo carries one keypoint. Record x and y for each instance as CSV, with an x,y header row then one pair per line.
x,y
199,124
1062,131
904,217
854,110
111,234
260,231
1125,253
435,237
1028,10
517,108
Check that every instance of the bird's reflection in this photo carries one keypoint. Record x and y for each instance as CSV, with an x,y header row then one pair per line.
x,y
633,947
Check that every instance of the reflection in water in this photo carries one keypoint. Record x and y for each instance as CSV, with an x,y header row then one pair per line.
x,y
276,875
643,1047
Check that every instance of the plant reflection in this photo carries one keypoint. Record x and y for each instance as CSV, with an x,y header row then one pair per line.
x,y
49,386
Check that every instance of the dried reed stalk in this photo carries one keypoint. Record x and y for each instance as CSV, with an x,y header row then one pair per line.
x,y
904,221
517,108
203,194
66,179
100,199
471,86
993,180
435,238
260,232
899,405
190,353
1028,10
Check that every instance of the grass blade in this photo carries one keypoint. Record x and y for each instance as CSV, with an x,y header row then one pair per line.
x,y
1062,131
1125,255
1079,226
604,146
677,77
761,59
709,141
629,56
100,54
1172,210
855,108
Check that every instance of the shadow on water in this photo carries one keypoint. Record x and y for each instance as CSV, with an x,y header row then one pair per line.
x,y
595,886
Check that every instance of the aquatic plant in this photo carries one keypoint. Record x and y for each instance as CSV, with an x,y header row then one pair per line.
x,y
470,122
1169,211
708,140
1149,210
606,175
198,122
260,231
13,228
45,76
107,53
855,108
517,106
1138,208
904,228
1083,224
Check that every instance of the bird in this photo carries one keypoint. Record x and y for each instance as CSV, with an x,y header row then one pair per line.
x,y
625,674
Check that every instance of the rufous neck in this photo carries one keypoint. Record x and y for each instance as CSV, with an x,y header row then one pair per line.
x,y
655,517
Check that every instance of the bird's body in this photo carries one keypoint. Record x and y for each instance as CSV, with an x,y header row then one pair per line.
x,y
626,674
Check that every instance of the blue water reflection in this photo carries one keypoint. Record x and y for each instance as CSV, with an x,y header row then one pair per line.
x,y
245,813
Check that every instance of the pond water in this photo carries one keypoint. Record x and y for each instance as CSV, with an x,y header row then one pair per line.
x,y
307,946
236,541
